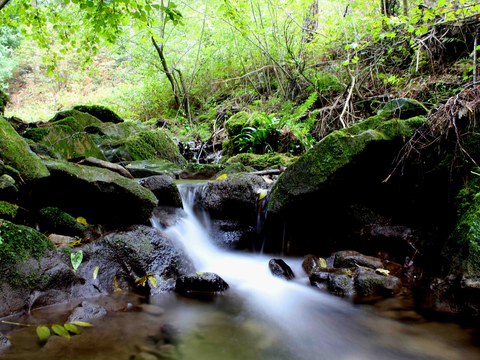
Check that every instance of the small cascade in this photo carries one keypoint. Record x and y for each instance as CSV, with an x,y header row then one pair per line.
x,y
314,324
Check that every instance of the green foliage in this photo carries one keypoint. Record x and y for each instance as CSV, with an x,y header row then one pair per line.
x,y
9,40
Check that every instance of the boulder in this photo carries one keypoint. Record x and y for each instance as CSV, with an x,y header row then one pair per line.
x,y
126,260
164,188
102,113
200,284
99,195
236,197
346,167
279,268
15,153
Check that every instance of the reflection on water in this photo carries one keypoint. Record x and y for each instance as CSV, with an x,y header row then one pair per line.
x,y
260,317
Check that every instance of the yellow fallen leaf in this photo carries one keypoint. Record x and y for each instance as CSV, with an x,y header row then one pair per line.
x,y
382,272
82,220
262,193
95,272
222,177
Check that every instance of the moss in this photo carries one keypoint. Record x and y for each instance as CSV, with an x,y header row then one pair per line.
x,y
36,134
75,119
333,152
462,251
18,243
262,162
154,144
236,123
102,113
56,220
67,140
8,210
16,153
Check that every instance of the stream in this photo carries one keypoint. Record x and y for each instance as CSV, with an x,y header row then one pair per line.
x,y
260,317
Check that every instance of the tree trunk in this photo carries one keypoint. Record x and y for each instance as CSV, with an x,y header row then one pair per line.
x,y
310,23
389,7
167,71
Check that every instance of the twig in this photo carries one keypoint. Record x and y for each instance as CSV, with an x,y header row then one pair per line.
x,y
347,102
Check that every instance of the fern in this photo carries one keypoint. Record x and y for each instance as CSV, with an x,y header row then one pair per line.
x,y
303,108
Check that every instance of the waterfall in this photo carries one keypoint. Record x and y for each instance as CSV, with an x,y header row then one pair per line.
x,y
313,324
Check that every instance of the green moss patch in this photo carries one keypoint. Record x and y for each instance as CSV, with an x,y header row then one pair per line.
x,y
15,152
18,243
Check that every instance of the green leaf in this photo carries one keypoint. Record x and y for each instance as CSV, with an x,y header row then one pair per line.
x,y
61,331
76,259
81,323
72,328
43,333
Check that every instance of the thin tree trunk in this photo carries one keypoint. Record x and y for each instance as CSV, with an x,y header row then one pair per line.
x,y
186,99
167,71
3,3
405,7
310,23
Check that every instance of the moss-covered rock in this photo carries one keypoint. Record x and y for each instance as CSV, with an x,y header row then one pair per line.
x,y
99,195
144,168
15,152
312,170
131,141
79,122
154,144
55,220
236,123
8,210
66,139
462,250
262,162
200,171
102,113
18,243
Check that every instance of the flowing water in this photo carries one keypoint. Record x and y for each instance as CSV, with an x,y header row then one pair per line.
x,y
260,317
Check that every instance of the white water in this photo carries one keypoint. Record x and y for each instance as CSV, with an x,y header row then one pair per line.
x,y
311,324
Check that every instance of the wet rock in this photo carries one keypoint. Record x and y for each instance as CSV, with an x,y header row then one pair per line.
x,y
44,298
369,284
233,198
164,188
129,255
198,283
341,284
87,311
279,268
320,278
312,263
350,258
